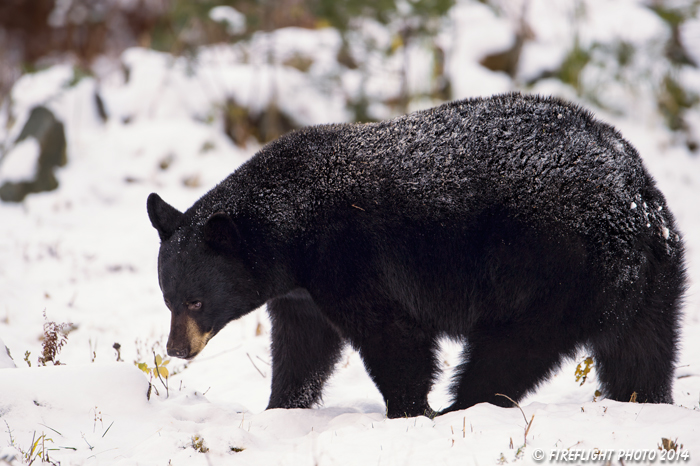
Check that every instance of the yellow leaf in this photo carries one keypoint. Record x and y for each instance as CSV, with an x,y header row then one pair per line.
x,y
158,360
396,43
322,23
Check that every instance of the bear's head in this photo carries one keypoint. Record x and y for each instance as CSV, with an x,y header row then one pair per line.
x,y
205,279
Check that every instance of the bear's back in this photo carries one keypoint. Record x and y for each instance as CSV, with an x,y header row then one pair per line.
x,y
522,151
540,159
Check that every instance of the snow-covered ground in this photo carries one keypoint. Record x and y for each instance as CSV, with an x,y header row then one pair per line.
x,y
86,254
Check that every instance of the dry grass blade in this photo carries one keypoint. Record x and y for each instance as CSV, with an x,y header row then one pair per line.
x,y
528,424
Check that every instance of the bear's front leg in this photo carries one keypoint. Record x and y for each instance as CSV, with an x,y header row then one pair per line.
x,y
401,360
304,350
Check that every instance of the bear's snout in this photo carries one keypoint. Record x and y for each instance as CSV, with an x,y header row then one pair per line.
x,y
186,339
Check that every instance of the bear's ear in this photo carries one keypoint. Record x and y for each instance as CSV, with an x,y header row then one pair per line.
x,y
221,233
164,217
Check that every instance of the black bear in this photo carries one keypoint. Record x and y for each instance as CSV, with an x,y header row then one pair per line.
x,y
517,224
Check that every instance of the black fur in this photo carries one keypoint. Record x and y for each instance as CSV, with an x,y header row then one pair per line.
x,y
518,224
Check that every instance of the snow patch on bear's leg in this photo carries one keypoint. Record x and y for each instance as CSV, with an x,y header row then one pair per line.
x,y
305,349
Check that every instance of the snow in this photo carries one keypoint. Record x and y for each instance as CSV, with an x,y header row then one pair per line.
x,y
690,34
481,33
86,253
21,163
640,26
234,19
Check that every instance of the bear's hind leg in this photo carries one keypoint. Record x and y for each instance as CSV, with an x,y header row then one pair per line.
x,y
636,351
400,359
304,350
639,360
508,360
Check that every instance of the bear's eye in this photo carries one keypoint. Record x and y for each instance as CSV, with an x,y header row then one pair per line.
x,y
194,305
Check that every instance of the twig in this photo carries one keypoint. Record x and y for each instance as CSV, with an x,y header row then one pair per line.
x,y
9,431
527,424
93,352
515,403
31,450
117,347
105,451
151,385
110,426
262,360
155,361
256,367
51,429
88,443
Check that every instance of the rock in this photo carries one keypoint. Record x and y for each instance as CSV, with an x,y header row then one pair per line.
x,y
49,133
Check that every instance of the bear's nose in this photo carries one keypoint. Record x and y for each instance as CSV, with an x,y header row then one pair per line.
x,y
178,353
